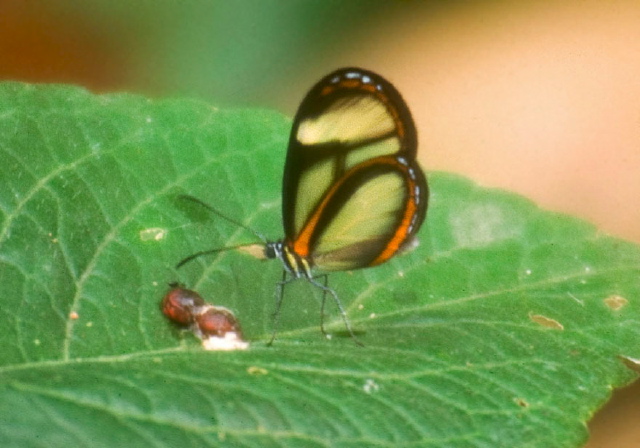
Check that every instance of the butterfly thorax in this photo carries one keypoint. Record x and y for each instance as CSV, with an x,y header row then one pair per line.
x,y
293,263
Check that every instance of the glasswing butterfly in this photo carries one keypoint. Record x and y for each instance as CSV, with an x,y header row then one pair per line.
x,y
353,194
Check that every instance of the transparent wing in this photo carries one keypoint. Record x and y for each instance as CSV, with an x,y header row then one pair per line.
x,y
350,171
366,216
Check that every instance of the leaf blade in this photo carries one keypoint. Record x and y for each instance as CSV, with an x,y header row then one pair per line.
x,y
498,330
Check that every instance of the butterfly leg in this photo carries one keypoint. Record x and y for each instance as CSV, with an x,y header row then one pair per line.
x,y
345,318
276,314
325,279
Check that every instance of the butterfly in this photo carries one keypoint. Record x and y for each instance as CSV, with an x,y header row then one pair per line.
x,y
353,194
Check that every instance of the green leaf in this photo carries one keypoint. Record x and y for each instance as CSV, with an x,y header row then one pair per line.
x,y
507,326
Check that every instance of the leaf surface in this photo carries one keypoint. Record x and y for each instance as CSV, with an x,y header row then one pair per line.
x,y
505,327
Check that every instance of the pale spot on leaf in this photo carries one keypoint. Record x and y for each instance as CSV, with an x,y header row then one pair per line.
x,y
230,341
370,386
615,302
254,370
546,321
153,234
480,225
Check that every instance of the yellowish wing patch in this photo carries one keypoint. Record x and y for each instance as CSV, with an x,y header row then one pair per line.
x,y
351,119
313,184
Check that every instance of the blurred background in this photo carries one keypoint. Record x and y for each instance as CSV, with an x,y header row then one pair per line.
x,y
541,97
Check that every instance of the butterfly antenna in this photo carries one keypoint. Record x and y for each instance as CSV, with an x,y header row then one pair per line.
x,y
208,252
223,216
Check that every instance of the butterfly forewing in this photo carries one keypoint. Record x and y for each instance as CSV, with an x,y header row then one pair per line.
x,y
352,191
350,119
